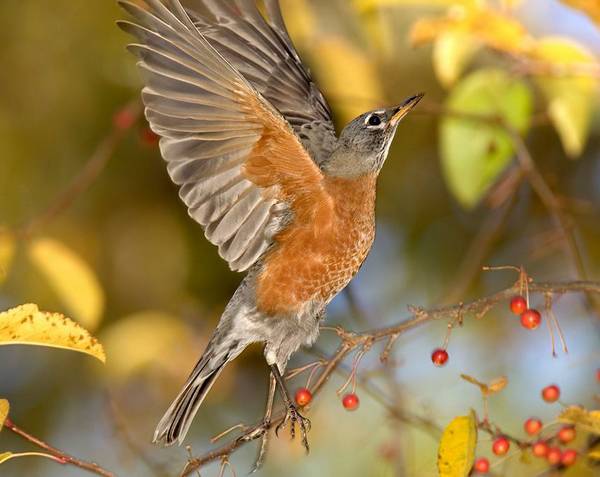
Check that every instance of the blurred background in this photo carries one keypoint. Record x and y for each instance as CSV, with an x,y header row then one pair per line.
x,y
91,226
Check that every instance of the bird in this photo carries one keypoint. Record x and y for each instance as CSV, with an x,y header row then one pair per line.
x,y
249,139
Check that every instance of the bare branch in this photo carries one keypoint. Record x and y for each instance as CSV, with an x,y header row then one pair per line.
x,y
59,455
350,341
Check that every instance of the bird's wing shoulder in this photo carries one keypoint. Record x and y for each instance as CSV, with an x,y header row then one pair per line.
x,y
238,163
260,48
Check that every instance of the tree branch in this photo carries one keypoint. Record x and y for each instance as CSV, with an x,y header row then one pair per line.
x,y
60,456
351,340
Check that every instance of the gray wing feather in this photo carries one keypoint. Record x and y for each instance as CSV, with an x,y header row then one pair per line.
x,y
190,99
261,49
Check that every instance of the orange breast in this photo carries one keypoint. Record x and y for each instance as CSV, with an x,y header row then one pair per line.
x,y
315,259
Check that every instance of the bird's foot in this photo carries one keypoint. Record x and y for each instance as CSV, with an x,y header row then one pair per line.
x,y
261,431
294,417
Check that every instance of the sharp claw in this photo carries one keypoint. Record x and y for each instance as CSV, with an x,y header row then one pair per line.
x,y
296,418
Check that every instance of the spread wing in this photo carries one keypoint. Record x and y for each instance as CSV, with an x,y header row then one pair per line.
x,y
240,166
262,51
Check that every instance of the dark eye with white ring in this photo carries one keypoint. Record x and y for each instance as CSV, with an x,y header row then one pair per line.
x,y
374,120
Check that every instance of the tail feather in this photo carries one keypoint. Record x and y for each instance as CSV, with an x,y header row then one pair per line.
x,y
176,422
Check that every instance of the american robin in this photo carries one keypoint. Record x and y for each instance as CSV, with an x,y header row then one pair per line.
x,y
249,139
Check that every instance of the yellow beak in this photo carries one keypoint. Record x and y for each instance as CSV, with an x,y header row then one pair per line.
x,y
404,108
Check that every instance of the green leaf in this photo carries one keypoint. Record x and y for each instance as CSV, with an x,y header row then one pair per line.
x,y
569,89
457,447
475,152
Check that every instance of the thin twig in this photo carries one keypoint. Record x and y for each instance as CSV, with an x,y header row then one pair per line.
x,y
84,179
350,341
60,455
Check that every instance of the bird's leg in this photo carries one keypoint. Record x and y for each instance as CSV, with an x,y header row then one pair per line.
x,y
292,413
266,423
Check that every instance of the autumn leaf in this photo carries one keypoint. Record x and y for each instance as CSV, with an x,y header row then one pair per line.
x,y
457,447
4,408
368,5
590,7
495,386
493,29
594,455
145,338
475,153
564,75
71,279
589,420
26,324
452,52
7,252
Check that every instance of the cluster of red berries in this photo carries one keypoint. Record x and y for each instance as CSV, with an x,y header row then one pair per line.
x,y
554,455
530,317
350,401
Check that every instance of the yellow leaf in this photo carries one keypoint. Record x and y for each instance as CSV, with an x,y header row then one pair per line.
x,y
4,408
368,5
497,385
590,7
146,338
452,52
299,19
564,76
4,456
7,252
347,76
595,454
492,28
26,324
457,447
589,420
482,386
71,278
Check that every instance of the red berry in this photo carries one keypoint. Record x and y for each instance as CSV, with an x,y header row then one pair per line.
x,y
554,455
439,357
566,434
531,319
350,402
518,305
569,456
500,446
551,393
303,397
149,137
481,465
532,426
539,449
124,119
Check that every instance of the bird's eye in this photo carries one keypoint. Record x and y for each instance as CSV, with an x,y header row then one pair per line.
x,y
374,120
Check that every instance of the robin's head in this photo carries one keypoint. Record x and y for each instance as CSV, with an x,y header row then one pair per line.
x,y
364,143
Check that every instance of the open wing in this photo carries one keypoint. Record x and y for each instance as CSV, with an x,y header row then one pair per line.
x,y
262,51
241,169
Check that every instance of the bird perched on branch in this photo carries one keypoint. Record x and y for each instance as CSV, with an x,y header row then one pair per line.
x,y
249,140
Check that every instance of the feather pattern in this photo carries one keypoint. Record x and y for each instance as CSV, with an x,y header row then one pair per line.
x,y
227,93
261,50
